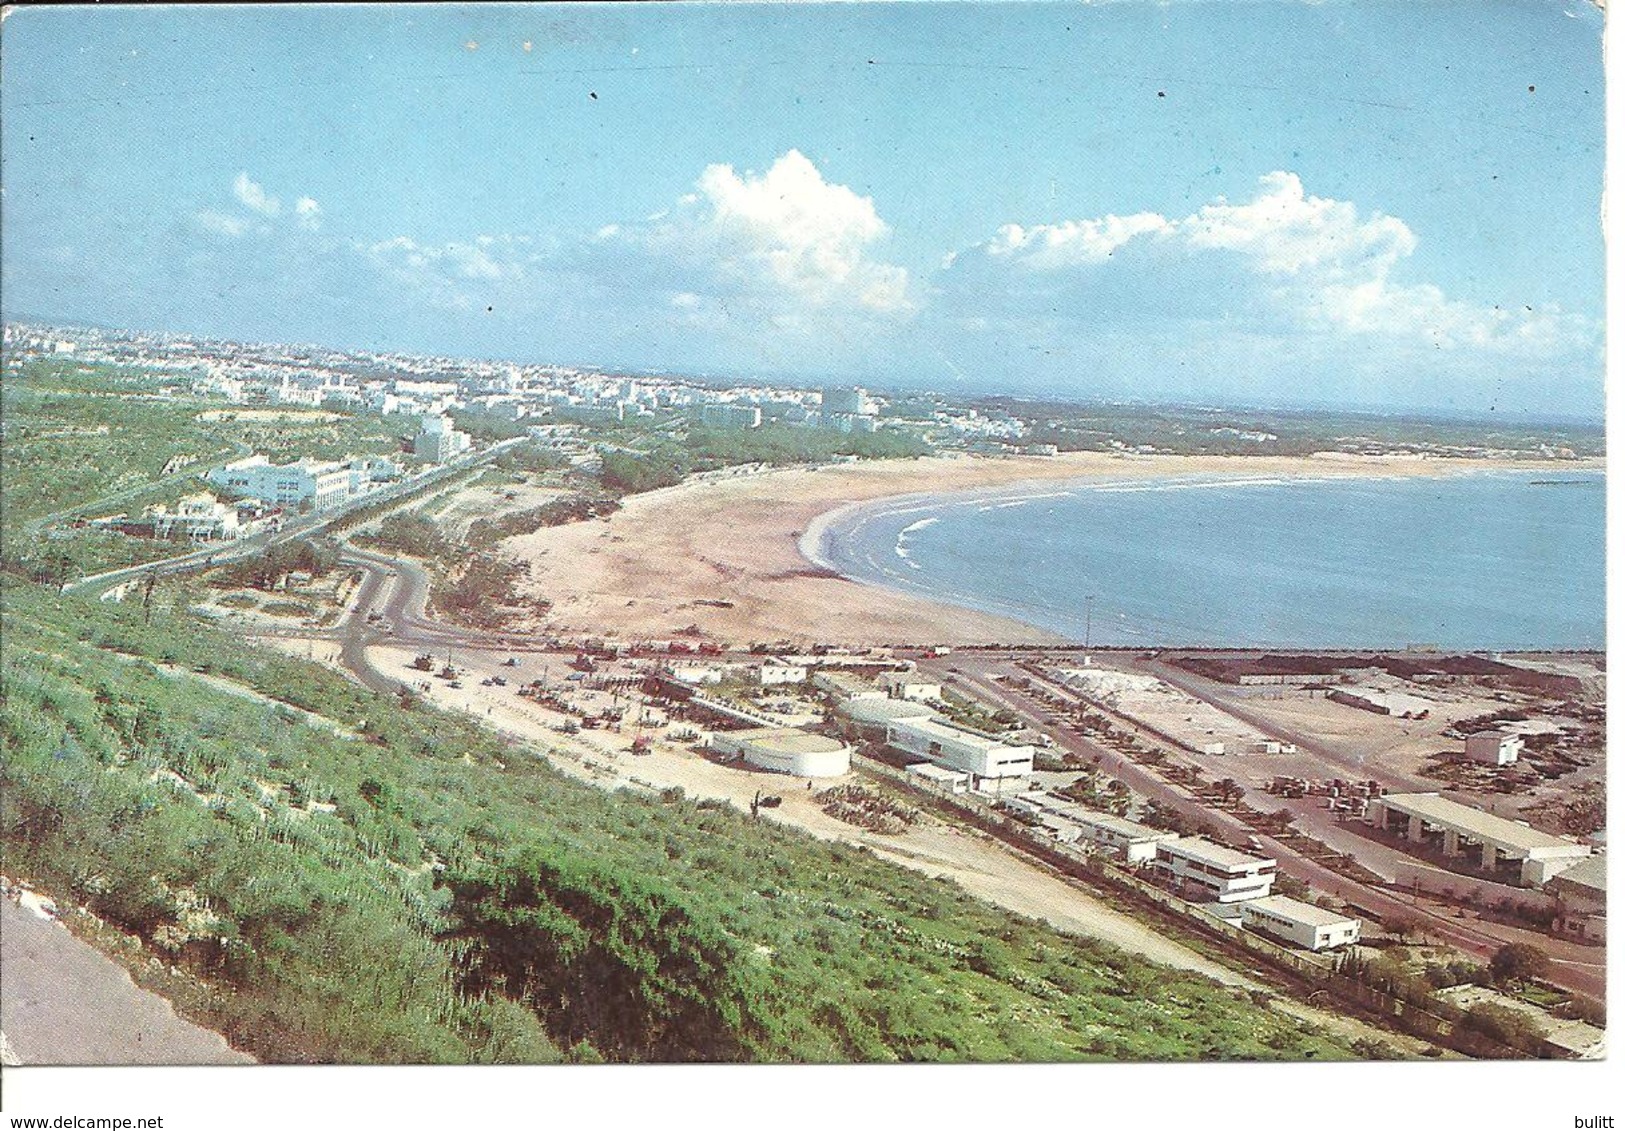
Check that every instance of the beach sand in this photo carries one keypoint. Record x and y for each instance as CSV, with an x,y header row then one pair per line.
x,y
647,570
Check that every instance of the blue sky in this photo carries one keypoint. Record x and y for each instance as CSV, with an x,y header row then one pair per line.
x,y
1350,203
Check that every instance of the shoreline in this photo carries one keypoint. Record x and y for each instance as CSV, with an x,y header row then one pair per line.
x,y
739,558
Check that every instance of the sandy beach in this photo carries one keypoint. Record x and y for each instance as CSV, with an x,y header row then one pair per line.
x,y
725,555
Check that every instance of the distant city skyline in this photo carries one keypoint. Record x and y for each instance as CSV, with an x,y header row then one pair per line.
x,y
1362,205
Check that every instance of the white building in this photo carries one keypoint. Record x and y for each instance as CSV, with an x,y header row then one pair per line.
x,y
1213,871
1128,840
202,518
1436,823
955,781
437,441
1494,747
695,675
957,749
774,674
1582,900
787,751
322,485
1303,924
730,416
906,685
848,687
1134,842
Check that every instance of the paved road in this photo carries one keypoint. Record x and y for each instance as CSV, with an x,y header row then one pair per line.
x,y
64,1002
1574,967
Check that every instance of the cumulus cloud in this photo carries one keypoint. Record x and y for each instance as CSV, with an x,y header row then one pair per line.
x,y
787,243
251,196
1284,261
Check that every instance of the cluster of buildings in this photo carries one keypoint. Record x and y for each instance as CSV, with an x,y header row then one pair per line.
x,y
1237,884
305,484
196,518
390,383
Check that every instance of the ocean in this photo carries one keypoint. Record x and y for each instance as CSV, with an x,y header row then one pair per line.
x,y
1486,561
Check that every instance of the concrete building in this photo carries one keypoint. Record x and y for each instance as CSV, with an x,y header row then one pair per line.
x,y
844,686
1129,840
787,751
1494,747
1504,848
955,781
955,749
1299,923
775,673
1214,872
845,399
437,441
321,485
202,518
878,712
1582,899
731,417
907,685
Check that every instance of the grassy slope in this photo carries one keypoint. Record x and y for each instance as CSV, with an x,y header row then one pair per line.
x,y
462,901
53,458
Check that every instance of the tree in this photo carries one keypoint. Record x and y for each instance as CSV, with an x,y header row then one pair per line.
x,y
1518,962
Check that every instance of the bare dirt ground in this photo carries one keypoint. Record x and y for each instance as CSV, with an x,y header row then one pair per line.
x,y
978,864
469,504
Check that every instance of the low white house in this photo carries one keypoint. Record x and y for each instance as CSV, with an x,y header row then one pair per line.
x,y
775,674
1494,747
1299,923
1129,840
955,781
907,685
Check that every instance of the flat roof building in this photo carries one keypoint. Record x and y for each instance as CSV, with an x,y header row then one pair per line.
x,y
1430,821
845,686
1132,841
956,781
1213,871
1582,900
1494,747
907,685
984,758
787,751
1304,924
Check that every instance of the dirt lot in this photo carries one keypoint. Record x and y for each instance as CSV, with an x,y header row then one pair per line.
x,y
486,498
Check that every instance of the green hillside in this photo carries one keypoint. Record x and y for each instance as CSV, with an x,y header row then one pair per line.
x,y
386,882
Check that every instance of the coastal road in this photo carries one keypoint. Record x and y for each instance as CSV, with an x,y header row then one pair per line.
x,y
1574,967
64,1002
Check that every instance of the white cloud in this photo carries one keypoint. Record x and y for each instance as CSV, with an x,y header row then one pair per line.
x,y
309,213
781,243
218,223
1285,262
250,195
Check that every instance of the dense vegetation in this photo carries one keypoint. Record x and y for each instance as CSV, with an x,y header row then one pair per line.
x,y
95,440
376,883
707,449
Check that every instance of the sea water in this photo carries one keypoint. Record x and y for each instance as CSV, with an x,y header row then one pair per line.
x,y
1495,560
